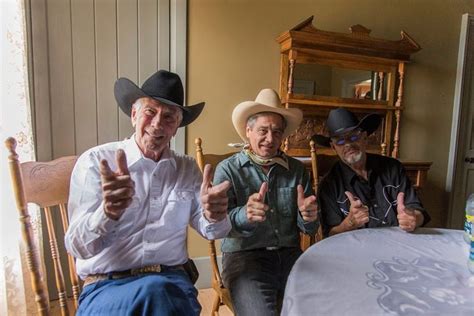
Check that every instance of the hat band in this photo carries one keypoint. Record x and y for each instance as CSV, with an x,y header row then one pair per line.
x,y
343,130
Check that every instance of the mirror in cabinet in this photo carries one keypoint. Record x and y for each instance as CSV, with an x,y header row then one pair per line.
x,y
330,81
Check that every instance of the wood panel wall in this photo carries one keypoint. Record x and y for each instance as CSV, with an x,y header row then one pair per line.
x,y
78,48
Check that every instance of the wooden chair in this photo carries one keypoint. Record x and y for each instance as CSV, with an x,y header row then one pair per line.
x,y
313,166
320,165
222,295
47,185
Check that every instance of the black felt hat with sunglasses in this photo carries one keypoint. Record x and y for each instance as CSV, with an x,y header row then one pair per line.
x,y
163,86
341,121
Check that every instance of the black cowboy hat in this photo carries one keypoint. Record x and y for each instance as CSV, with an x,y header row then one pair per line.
x,y
341,121
163,86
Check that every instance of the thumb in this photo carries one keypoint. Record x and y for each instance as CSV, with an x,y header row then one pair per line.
x,y
350,197
300,198
263,191
222,187
401,202
206,178
121,159
355,202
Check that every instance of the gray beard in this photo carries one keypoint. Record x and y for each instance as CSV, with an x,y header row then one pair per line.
x,y
353,159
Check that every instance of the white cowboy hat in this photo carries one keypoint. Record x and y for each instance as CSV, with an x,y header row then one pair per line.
x,y
267,101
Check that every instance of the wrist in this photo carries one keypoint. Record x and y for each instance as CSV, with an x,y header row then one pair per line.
x,y
349,223
419,218
207,217
113,216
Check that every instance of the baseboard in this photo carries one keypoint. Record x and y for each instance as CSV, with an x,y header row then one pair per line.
x,y
204,267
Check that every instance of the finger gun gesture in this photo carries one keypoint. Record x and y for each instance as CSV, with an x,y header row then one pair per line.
x,y
118,187
214,198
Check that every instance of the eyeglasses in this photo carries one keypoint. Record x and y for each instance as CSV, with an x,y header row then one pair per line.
x,y
348,138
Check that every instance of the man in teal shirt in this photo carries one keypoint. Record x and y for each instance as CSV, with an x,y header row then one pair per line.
x,y
271,200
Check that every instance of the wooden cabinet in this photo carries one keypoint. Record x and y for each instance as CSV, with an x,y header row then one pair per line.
x,y
322,70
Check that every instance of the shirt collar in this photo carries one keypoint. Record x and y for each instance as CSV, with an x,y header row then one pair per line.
x,y
243,158
134,154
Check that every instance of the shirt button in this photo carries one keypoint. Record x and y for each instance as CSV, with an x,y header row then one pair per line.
x,y
271,210
375,205
276,231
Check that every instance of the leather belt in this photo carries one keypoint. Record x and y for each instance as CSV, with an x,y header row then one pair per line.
x,y
157,268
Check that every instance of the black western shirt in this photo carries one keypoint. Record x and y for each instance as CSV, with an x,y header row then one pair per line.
x,y
386,178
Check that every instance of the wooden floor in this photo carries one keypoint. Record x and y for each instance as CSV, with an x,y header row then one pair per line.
x,y
205,297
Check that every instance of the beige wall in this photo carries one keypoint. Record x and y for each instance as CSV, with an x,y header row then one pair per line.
x,y
232,54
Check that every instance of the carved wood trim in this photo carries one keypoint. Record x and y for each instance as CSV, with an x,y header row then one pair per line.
x,y
357,42
398,105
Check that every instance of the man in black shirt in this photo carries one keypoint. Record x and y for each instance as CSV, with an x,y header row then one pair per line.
x,y
363,189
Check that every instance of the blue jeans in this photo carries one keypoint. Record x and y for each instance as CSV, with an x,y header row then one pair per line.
x,y
256,279
165,293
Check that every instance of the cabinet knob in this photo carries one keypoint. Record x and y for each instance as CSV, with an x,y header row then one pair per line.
x,y
469,159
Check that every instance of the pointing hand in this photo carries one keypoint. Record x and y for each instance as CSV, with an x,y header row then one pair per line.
x,y
358,213
118,187
214,198
307,206
256,208
406,216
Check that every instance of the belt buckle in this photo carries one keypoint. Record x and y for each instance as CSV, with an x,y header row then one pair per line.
x,y
148,269
272,248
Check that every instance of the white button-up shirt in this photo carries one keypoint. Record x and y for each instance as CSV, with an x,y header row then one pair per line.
x,y
153,229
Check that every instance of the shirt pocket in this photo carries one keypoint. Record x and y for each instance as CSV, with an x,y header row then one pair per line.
x,y
178,209
286,201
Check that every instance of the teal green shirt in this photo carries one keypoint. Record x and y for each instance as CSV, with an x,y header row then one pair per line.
x,y
283,220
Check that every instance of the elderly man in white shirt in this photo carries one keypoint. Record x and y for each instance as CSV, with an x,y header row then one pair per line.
x,y
130,204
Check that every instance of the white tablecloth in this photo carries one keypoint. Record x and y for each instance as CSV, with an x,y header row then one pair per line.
x,y
383,271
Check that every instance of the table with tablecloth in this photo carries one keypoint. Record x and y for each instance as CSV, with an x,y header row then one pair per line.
x,y
383,271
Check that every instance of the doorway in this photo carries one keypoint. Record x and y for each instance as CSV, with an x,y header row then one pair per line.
x,y
460,177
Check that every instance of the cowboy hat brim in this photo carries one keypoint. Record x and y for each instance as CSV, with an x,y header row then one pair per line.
x,y
246,109
126,93
368,123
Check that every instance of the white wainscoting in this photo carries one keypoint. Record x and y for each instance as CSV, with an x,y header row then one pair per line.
x,y
204,267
